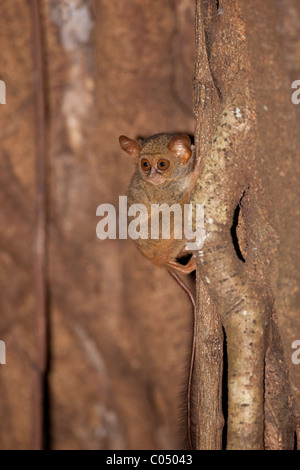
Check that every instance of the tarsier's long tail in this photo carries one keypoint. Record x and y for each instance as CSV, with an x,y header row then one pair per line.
x,y
192,357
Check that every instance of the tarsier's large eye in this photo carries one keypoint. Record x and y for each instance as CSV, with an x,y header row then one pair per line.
x,y
145,164
163,164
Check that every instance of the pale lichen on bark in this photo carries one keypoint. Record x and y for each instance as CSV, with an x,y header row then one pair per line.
x,y
248,268
223,180
75,24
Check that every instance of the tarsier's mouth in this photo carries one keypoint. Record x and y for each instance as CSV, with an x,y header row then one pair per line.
x,y
155,178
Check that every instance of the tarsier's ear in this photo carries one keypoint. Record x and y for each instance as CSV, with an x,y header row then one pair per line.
x,y
130,146
181,146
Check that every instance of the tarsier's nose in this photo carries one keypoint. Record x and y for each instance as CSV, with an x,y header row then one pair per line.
x,y
152,172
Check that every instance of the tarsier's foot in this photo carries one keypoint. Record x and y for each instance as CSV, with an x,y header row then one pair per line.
x,y
187,269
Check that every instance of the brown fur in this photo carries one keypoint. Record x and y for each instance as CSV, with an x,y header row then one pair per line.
x,y
174,187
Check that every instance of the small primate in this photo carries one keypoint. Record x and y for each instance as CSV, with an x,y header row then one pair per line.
x,y
166,173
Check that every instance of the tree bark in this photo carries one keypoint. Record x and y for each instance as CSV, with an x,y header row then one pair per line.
x,y
238,262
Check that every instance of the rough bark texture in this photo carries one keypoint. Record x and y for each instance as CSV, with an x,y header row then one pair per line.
x,y
248,260
207,415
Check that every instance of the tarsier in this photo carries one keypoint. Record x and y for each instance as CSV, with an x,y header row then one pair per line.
x,y
166,173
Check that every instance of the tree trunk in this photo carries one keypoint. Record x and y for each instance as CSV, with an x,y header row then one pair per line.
x,y
248,263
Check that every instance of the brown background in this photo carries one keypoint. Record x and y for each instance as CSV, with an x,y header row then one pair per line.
x,y
119,327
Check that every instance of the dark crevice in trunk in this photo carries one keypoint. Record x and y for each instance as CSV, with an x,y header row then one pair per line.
x,y
234,236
